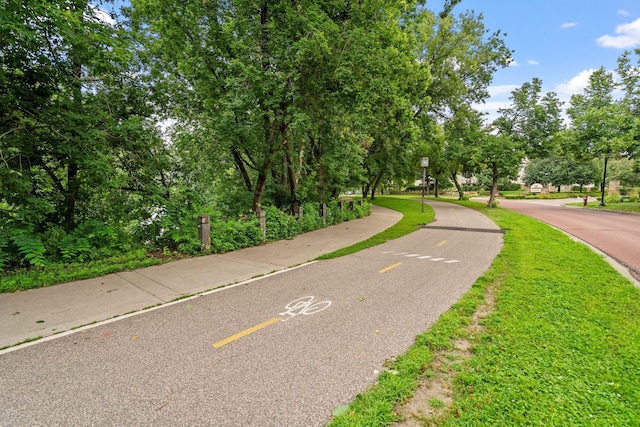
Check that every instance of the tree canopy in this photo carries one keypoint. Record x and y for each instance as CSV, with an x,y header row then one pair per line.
x,y
119,129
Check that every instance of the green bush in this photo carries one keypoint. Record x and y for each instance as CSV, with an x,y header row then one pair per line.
x,y
233,235
29,259
280,225
511,186
310,218
20,246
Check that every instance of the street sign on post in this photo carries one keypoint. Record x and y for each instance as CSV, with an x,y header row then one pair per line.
x,y
424,162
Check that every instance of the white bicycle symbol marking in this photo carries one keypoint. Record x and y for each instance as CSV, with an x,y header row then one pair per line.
x,y
304,305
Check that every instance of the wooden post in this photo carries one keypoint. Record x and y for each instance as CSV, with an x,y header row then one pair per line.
x,y
262,218
323,212
204,232
298,213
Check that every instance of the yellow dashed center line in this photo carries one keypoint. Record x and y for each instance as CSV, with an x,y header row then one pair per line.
x,y
391,267
441,243
246,332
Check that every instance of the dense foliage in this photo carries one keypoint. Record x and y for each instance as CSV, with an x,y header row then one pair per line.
x,y
120,125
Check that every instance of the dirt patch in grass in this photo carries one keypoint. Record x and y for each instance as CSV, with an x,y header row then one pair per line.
x,y
434,396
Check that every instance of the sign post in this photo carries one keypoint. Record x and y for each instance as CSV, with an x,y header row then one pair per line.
x,y
424,162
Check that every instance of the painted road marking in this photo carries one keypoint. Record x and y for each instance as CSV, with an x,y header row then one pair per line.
x,y
417,256
246,332
304,305
441,243
391,267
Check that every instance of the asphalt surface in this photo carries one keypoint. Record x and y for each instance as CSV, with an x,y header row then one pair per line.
x,y
283,350
44,312
614,233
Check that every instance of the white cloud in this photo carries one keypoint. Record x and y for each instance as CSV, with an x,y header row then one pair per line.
x,y
102,16
492,106
627,36
532,62
623,12
501,90
576,85
499,98
513,63
569,25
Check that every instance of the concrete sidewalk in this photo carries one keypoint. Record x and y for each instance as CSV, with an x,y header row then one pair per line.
x,y
47,311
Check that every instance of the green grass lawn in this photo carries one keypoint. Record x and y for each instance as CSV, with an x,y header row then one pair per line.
x,y
412,218
633,207
561,345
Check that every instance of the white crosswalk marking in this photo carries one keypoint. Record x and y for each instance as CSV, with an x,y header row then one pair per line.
x,y
418,256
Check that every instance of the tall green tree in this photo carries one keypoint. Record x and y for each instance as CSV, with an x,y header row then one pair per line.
x,y
279,87
602,126
463,56
462,132
501,157
560,171
532,119
72,113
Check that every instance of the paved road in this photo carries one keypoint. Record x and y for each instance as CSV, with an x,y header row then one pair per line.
x,y
239,356
616,234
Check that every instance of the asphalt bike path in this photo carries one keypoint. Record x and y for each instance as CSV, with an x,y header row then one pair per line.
x,y
283,350
52,310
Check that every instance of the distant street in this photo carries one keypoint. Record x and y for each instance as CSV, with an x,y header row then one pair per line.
x,y
616,234
284,350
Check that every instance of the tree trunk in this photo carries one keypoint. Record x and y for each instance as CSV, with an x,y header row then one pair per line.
x,y
70,196
365,190
604,180
454,175
494,187
292,178
73,185
265,167
242,169
375,185
316,149
261,182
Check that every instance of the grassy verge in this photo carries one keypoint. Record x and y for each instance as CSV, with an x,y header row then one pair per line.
x,y
60,273
633,207
561,347
412,218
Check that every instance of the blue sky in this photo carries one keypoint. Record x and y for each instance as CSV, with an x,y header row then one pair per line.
x,y
559,41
